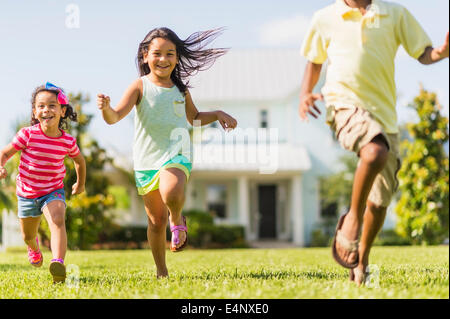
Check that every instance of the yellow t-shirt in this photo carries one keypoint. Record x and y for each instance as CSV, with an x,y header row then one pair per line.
x,y
361,52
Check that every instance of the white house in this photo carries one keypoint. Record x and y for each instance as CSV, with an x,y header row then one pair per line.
x,y
265,174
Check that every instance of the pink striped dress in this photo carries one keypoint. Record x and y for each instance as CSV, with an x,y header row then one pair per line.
x,y
41,169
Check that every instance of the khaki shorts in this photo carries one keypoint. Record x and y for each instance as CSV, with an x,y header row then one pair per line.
x,y
355,128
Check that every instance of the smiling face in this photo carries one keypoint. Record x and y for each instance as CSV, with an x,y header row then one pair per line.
x,y
48,111
161,57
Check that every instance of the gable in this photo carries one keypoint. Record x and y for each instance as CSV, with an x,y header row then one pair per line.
x,y
250,75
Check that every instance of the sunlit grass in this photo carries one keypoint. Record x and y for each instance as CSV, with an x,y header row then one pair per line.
x,y
404,272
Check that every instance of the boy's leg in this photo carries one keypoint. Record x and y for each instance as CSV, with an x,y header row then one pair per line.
x,y
373,158
54,212
29,227
373,222
172,188
156,232
380,197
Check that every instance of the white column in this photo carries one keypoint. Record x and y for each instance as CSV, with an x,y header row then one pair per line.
x,y
297,211
244,207
188,200
11,233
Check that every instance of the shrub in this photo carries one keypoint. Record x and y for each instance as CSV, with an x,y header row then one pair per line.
x,y
229,236
389,237
202,233
319,239
424,203
126,234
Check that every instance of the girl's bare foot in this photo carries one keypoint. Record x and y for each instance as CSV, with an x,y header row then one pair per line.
x,y
162,274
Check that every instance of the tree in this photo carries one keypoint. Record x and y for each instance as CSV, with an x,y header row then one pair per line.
x,y
8,199
87,214
339,196
423,206
7,190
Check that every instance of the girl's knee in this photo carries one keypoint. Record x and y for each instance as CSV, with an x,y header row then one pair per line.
x,y
56,219
173,197
171,187
157,224
55,213
28,237
29,228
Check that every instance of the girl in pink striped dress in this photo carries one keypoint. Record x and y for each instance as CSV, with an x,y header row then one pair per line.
x,y
40,187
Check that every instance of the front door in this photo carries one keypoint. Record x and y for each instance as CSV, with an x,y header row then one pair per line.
x,y
267,211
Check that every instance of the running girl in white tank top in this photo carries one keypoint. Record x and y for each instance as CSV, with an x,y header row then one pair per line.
x,y
163,105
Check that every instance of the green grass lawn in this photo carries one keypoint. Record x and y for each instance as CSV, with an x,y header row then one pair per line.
x,y
404,272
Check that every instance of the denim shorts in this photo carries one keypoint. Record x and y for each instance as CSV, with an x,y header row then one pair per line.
x,y
33,207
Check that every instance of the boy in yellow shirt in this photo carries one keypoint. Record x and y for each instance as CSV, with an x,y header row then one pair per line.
x,y
360,39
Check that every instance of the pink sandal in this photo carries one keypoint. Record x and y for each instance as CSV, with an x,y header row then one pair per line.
x,y
176,239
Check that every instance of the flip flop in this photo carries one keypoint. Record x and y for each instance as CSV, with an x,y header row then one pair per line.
x,y
348,245
176,239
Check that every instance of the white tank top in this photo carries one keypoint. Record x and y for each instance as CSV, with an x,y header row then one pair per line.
x,y
160,127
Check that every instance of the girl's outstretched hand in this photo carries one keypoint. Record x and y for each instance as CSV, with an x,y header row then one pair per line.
x,y
228,122
77,188
3,173
103,101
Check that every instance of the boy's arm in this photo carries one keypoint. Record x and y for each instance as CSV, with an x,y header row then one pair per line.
x,y
433,55
5,155
130,98
80,168
205,118
307,98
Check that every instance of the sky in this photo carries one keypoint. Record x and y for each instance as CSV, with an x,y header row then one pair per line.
x,y
90,47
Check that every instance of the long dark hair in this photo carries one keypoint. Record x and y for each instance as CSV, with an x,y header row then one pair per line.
x,y
70,113
191,53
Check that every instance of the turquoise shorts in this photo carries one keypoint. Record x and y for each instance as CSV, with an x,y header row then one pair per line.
x,y
148,181
33,207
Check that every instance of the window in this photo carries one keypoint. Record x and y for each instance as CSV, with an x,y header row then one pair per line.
x,y
263,119
329,210
217,200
